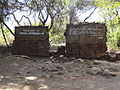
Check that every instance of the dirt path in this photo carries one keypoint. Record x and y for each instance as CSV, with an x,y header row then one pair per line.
x,y
34,73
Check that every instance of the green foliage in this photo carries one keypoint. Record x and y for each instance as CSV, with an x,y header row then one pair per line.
x,y
57,38
108,10
9,38
113,37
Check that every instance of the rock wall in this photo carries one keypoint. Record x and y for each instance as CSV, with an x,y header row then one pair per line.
x,y
31,40
86,40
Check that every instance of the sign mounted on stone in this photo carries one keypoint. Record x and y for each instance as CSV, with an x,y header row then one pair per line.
x,y
86,33
86,40
31,40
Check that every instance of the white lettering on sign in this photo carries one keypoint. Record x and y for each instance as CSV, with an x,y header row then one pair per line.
x,y
30,32
35,33
23,33
100,37
90,31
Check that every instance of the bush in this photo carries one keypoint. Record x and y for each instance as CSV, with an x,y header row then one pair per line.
x,y
9,38
113,38
57,38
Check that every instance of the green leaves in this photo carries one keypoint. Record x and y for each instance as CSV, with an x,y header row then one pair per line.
x,y
108,10
66,2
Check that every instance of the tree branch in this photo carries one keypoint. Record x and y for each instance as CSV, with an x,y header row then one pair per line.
x,y
28,20
52,22
16,19
7,27
90,14
4,35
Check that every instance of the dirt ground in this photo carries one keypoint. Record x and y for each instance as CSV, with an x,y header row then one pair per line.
x,y
19,72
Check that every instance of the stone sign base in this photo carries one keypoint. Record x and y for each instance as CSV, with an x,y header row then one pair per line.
x,y
86,50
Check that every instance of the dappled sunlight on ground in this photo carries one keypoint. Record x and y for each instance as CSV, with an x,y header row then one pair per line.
x,y
31,78
29,83
34,73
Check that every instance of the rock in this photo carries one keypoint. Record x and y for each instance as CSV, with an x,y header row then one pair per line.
x,y
112,74
63,59
118,55
59,60
28,72
60,73
61,50
26,87
112,56
48,76
79,60
52,53
93,70
106,72
59,67
19,73
96,62
71,58
48,62
27,83
61,56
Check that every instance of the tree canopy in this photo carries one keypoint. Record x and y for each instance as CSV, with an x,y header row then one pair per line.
x,y
57,13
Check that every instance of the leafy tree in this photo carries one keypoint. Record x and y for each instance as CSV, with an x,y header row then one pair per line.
x,y
53,13
109,11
